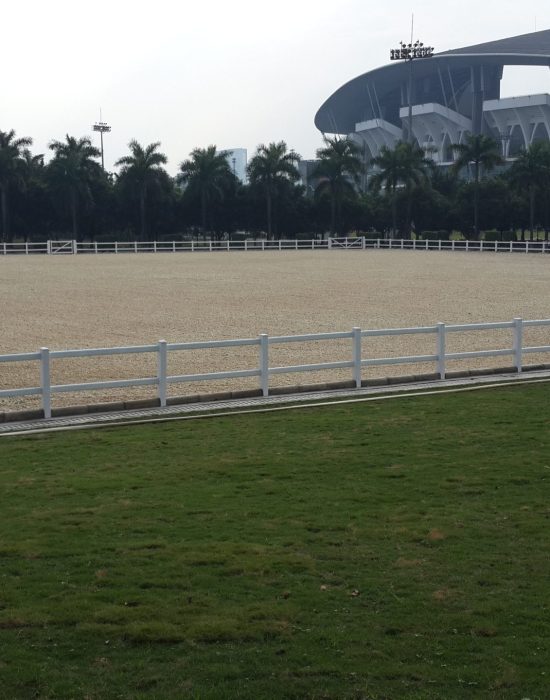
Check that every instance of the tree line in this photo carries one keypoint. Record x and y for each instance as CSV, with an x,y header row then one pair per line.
x,y
401,192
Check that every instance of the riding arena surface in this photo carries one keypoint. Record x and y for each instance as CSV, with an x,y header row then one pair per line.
x,y
64,302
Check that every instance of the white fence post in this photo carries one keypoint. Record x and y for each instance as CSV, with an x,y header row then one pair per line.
x,y
210,246
263,245
329,243
45,382
95,247
518,343
441,350
264,364
162,371
357,356
363,243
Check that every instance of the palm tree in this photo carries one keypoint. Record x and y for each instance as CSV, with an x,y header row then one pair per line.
x,y
531,172
206,172
406,165
272,165
11,171
34,164
339,168
72,169
483,153
143,167
35,216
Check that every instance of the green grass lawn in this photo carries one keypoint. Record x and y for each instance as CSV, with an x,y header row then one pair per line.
x,y
383,550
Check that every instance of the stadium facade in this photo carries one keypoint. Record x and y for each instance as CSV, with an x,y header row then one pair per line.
x,y
453,93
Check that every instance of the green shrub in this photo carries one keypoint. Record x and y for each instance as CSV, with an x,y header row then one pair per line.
x,y
509,236
492,235
434,236
373,235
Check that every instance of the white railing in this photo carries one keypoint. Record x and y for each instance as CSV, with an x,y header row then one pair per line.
x,y
361,243
25,248
462,246
162,380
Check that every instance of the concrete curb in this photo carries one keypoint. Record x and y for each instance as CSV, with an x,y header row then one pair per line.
x,y
140,404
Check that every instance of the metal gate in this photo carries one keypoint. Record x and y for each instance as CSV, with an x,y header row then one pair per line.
x,y
346,242
61,247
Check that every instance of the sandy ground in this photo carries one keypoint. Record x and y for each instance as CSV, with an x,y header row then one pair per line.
x,y
100,301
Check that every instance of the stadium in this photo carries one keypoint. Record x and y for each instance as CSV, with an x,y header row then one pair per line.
x,y
452,93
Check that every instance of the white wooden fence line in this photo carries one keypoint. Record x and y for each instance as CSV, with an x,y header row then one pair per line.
x,y
65,247
264,371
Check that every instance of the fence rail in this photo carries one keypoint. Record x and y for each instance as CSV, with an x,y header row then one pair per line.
x,y
264,371
362,243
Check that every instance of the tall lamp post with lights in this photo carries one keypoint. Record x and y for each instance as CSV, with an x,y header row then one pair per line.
x,y
410,52
103,128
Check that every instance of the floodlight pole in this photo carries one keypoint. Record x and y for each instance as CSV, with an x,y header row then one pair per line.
x,y
103,128
411,85
410,103
410,52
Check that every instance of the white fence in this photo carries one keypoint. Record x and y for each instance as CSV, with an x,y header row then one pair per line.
x,y
362,243
263,342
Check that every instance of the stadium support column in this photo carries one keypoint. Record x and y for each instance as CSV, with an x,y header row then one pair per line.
x,y
477,99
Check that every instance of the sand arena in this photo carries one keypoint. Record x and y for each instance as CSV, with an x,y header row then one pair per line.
x,y
84,301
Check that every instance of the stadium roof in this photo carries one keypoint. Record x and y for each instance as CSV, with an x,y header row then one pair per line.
x,y
525,45
338,114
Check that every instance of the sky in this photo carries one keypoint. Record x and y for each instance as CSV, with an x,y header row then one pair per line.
x,y
190,73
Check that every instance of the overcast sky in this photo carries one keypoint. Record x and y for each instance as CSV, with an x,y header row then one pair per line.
x,y
235,74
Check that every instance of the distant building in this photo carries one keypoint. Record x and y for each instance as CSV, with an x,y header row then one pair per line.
x,y
454,93
306,168
237,159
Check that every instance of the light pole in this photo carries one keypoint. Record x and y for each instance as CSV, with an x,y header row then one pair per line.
x,y
103,128
410,52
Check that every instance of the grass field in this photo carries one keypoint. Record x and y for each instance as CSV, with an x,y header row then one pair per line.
x,y
110,300
385,550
